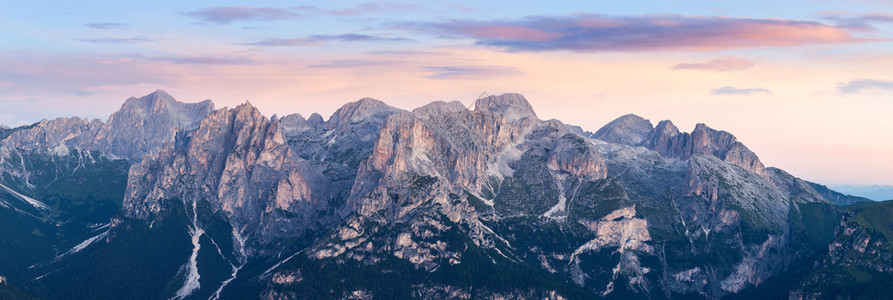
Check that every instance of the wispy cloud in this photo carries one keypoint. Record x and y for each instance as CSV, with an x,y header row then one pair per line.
x,y
859,85
109,61
594,33
106,25
320,39
352,63
210,60
724,64
284,42
858,22
405,52
222,15
471,72
379,7
113,40
728,90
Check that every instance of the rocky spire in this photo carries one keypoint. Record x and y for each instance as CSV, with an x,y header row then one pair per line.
x,y
669,142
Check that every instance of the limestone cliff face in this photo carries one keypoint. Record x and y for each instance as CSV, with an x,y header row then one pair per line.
x,y
470,150
143,125
270,177
443,167
238,161
719,186
725,146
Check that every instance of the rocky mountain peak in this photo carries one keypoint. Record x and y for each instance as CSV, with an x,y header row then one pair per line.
x,y
293,122
663,139
666,127
247,110
708,140
155,98
511,106
725,146
161,104
144,124
629,129
666,140
315,120
360,110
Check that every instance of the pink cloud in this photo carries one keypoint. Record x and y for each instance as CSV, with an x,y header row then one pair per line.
x,y
595,33
223,15
723,64
512,33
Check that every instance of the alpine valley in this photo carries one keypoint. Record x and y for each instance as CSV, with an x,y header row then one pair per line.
x,y
172,200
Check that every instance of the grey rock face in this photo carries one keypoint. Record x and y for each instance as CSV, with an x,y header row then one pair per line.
x,y
443,168
346,138
54,140
726,196
336,148
669,142
239,162
143,125
799,190
271,177
473,149
628,130
704,205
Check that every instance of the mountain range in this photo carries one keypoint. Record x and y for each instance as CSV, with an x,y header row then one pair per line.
x,y
172,200
873,192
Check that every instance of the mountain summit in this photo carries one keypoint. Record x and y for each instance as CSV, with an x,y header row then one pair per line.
x,y
628,130
144,124
510,106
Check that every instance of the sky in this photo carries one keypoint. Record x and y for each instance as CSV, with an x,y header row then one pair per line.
x,y
805,84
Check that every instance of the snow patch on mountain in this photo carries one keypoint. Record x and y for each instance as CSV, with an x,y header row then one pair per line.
x,y
191,268
83,245
242,259
33,202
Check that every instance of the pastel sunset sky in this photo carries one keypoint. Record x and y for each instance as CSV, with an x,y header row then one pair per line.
x,y
806,84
